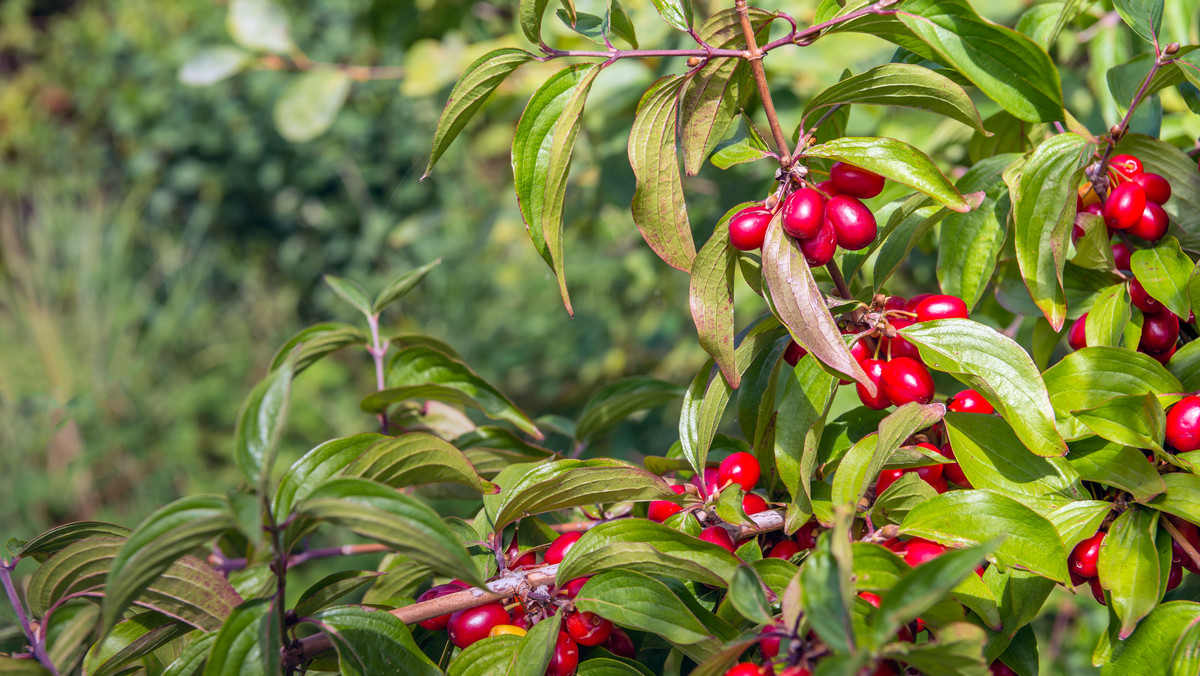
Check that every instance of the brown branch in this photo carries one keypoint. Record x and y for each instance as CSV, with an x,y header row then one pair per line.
x,y
1181,540
754,55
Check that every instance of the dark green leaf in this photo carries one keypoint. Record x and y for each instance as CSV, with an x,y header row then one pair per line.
x,y
193,658
372,642
310,103
648,547
132,639
1129,566
1185,365
746,595
237,648
659,209
896,160
744,146
678,13
1143,16
800,424
1000,369
1108,317
898,499
574,483
1164,272
41,547
260,424
531,13
1116,465
1089,377
536,648
1136,421
905,233
921,588
317,341
901,84
620,400
413,459
958,651
317,465
1145,651
859,468
485,657
332,587
1177,167
642,603
603,666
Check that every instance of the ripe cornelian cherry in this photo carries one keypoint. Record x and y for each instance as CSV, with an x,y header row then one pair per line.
x,y
806,537
472,624
820,248
874,369
740,468
661,510
860,351
753,503
953,471
620,644
1158,189
870,597
1175,576
1159,332
718,536
768,641
918,552
784,549
1083,558
748,228
803,213
796,670
1191,533
1077,334
1153,224
969,401
1097,590
437,623
1124,206
1122,256
941,307
561,545
852,221
1126,167
899,346
565,659
999,668
706,483
855,181
794,353
746,669
905,379
588,629
571,589
1141,299
886,478
1183,424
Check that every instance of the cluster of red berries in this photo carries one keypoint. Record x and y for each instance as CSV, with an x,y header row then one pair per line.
x,y
821,217
1134,204
1160,326
1082,563
467,626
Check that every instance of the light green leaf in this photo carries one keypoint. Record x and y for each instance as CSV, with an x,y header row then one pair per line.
x,y
401,285
1108,317
1089,377
659,209
259,25
238,648
896,160
372,641
1137,421
1130,568
310,103
901,84
746,595
1182,497
351,292
970,243
574,483
485,657
642,603
212,65
923,587
1165,271
1145,651
1115,465
678,13
1143,16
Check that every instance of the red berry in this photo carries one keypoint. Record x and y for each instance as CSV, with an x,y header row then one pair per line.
x,y
886,478
661,510
820,248
1125,205
905,379
1158,189
803,213
565,660
871,598
588,629
1077,335
1085,555
1164,357
860,351
1153,224
853,222
746,669
768,642
894,303
748,228
828,188
953,472
472,624
437,623
1141,299
1122,256
1175,576
708,483
919,552
1159,332
527,559
1094,209
753,503
561,545
620,644
899,346
794,353
740,468
874,369
852,180
969,401
784,549
999,668
1183,424
795,671
941,307
1191,533
718,536
806,537
571,589
911,305
1097,590
1126,167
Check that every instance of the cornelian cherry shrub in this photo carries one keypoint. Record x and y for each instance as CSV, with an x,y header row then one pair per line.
x,y
1029,421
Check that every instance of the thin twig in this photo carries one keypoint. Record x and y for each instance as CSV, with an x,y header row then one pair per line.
x,y
1181,540
378,351
839,281
755,55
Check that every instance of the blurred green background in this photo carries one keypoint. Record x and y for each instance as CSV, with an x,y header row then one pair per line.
x,y
158,241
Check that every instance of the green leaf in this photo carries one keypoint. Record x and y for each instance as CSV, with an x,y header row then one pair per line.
x,y
310,103
603,666
756,398
1185,365
923,587
997,367
970,243
1093,251
622,25
1143,16
192,659
491,449
1089,377
710,293
746,595
351,292
1118,466
641,603
237,648
1079,520
659,209
157,543
541,158
378,512
1108,317
574,483
531,13
744,146
317,465
798,429
801,306
826,591
1164,272
332,587
1129,566
1182,497
647,547
485,657
678,13
41,547
896,160
858,470
414,459
970,517
316,342
901,84
260,424
132,639
1043,194
372,642
401,285
420,371
259,25
536,648
898,499
621,400
1008,67
1136,421
958,651
212,65
1145,651
904,232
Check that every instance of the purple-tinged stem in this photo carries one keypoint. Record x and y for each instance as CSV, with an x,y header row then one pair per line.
x,y
35,641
